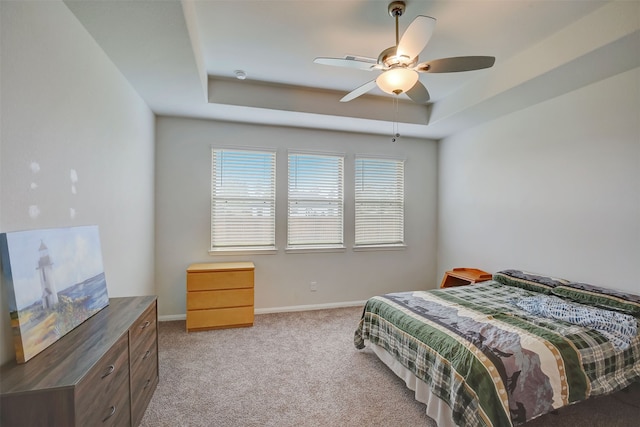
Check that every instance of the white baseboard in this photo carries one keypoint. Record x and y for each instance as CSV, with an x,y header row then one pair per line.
x,y
292,308
170,317
310,307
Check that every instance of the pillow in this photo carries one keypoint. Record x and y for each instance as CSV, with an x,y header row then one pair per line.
x,y
529,281
600,297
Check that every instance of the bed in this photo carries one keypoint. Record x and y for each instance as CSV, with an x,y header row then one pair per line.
x,y
507,350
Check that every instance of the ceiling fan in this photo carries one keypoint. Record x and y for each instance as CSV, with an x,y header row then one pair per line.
x,y
399,63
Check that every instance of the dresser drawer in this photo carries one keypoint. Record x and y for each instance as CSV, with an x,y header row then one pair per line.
x,y
144,352
144,327
144,379
220,317
219,299
213,280
144,376
115,413
141,400
102,397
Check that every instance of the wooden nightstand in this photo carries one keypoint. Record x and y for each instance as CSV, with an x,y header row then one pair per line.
x,y
463,276
219,295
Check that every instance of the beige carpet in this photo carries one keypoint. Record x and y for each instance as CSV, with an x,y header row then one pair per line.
x,y
301,369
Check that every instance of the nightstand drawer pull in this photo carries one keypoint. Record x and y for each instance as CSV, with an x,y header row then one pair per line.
x,y
146,355
145,324
108,371
113,411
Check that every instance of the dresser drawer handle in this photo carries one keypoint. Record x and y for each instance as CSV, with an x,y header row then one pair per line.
x,y
145,324
146,355
108,371
146,385
112,411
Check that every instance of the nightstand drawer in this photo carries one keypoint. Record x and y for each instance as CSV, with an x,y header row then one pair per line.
x,y
219,299
213,280
219,318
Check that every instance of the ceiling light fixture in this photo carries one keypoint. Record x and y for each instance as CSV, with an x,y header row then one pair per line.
x,y
397,80
400,63
240,75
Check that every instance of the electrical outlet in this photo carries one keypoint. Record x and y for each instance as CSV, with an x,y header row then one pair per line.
x,y
313,286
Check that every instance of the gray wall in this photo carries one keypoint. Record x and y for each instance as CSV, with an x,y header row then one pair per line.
x,y
183,168
551,189
65,106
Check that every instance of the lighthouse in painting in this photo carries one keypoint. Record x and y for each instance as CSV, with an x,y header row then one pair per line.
x,y
49,293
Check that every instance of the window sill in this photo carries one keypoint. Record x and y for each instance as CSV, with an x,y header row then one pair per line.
x,y
366,248
243,251
314,249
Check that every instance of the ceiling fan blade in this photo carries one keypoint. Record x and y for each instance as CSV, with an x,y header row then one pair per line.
x,y
455,64
416,37
361,90
418,93
357,62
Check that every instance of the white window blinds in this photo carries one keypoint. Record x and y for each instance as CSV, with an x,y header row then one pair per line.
x,y
243,199
316,205
379,201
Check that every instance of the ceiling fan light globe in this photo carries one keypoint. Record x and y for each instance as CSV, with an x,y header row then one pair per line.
x,y
397,80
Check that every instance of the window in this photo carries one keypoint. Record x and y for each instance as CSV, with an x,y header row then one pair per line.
x,y
379,202
316,205
243,199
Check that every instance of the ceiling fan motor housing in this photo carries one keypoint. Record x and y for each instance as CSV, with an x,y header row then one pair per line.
x,y
396,8
389,59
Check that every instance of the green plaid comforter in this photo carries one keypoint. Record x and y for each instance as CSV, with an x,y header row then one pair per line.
x,y
491,362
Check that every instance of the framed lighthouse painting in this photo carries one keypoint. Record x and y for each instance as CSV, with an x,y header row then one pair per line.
x,y
54,280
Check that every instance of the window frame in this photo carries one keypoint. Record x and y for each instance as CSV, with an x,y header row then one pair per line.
x,y
316,246
248,248
380,245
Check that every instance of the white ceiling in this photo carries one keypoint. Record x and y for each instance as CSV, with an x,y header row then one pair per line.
x,y
181,57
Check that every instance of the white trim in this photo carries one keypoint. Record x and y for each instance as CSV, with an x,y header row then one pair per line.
x,y
311,249
316,152
380,247
171,317
292,308
243,251
379,157
253,148
310,307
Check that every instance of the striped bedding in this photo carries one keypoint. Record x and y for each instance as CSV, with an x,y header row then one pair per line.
x,y
492,362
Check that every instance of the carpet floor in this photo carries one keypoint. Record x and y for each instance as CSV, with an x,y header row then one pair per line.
x,y
301,369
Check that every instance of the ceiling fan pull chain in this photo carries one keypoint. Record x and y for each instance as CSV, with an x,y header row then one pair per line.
x,y
396,133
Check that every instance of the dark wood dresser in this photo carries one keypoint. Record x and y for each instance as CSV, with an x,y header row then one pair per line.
x,y
103,372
